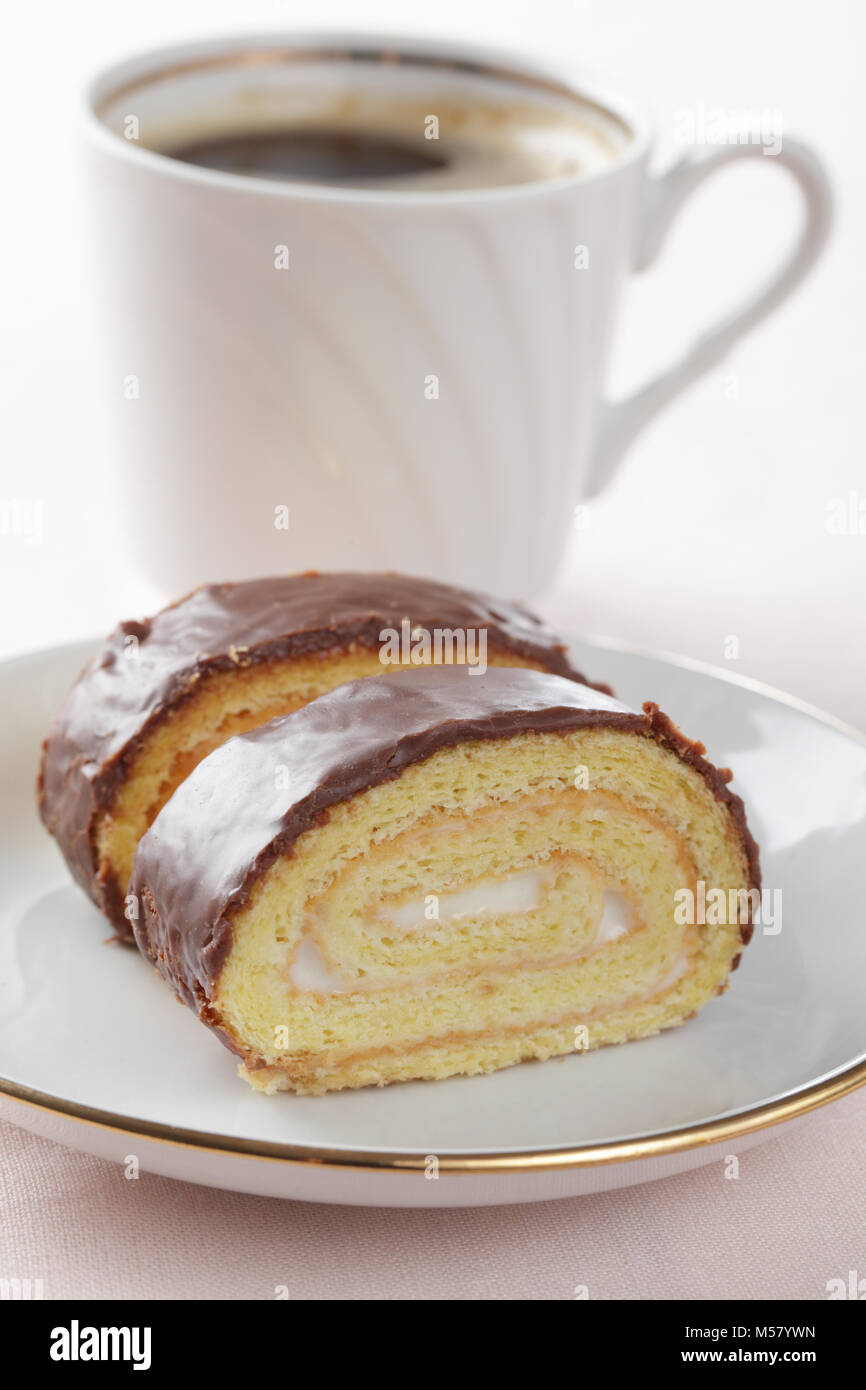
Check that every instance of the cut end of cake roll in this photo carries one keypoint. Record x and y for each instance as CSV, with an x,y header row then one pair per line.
x,y
163,693
428,874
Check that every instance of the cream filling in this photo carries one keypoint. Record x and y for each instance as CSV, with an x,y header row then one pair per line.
x,y
309,971
520,893
617,919
679,968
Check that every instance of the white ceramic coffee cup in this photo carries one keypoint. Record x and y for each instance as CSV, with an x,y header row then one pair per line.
x,y
334,378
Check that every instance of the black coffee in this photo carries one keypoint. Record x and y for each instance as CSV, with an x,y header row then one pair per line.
x,y
372,140
310,155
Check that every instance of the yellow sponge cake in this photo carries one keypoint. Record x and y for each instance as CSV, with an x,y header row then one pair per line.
x,y
428,873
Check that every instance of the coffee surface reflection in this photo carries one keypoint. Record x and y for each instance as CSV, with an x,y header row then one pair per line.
x,y
313,155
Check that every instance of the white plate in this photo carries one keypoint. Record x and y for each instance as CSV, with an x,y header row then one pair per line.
x,y
96,1053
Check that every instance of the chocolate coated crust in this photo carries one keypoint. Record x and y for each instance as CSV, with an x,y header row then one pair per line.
x,y
145,669
234,815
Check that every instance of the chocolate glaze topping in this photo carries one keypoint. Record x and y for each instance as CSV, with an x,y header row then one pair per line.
x,y
246,804
146,668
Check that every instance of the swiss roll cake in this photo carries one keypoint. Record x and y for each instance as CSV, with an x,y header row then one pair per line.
x,y
162,693
430,873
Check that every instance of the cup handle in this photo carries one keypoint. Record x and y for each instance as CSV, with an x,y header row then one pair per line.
x,y
622,420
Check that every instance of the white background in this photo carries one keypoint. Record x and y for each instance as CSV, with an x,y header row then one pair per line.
x,y
717,523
